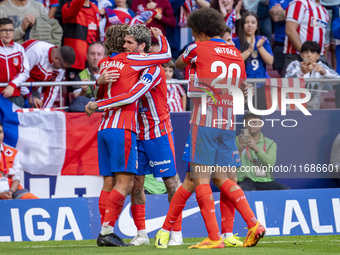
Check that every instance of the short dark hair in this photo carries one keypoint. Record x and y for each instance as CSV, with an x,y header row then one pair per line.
x,y
250,115
67,54
5,21
311,46
170,64
207,21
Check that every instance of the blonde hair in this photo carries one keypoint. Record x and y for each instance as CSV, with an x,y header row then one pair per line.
x,y
115,38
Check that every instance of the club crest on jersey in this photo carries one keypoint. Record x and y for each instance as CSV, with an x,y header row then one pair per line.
x,y
15,61
8,153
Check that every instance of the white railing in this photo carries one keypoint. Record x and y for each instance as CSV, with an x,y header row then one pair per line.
x,y
333,81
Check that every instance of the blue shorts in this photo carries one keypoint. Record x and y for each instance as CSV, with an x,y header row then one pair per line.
x,y
117,151
157,156
211,146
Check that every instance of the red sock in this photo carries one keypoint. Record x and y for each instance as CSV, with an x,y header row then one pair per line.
x,y
238,199
178,224
114,206
206,203
176,207
227,215
102,204
138,215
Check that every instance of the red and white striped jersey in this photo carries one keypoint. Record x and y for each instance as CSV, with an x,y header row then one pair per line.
x,y
174,95
154,118
214,62
312,18
14,64
129,66
40,62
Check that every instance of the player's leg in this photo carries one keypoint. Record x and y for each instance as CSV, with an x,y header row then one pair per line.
x,y
228,153
105,171
162,163
176,207
227,216
108,184
206,203
138,200
120,144
177,203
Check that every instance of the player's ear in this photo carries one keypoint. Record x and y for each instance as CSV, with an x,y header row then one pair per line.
x,y
142,46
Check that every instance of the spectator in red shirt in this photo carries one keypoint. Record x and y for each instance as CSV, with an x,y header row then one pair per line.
x,y
81,28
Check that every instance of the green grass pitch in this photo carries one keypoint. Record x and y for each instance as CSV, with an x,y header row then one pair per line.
x,y
287,245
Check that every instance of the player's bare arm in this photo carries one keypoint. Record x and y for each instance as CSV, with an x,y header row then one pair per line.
x,y
180,64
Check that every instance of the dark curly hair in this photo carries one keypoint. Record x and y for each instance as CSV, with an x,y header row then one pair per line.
x,y
207,21
115,41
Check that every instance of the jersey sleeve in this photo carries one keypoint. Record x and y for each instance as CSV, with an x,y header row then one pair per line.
x,y
150,77
143,60
295,12
189,56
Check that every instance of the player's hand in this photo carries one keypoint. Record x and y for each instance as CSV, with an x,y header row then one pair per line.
x,y
8,91
319,69
260,42
156,31
151,5
90,108
108,76
36,102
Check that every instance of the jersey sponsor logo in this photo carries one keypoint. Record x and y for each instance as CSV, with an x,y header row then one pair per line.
x,y
143,109
158,163
318,23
